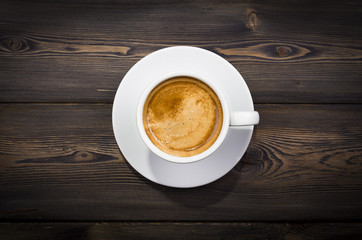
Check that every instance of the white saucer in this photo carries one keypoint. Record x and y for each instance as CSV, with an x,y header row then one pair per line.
x,y
180,59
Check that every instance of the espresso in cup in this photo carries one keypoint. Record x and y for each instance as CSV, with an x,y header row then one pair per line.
x,y
182,116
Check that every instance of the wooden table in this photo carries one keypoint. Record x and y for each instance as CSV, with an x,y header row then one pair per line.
x,y
63,176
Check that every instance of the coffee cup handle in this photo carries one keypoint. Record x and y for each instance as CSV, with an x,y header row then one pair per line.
x,y
245,118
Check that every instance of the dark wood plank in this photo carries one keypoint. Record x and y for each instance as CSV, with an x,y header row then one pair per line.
x,y
61,162
300,52
181,230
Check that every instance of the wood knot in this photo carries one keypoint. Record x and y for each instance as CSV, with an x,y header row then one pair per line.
x,y
253,21
251,162
267,50
13,44
283,51
76,157
83,157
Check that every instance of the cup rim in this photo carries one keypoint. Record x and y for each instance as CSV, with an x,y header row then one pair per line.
x,y
156,150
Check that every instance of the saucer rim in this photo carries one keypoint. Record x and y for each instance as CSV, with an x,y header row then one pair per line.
x,y
118,101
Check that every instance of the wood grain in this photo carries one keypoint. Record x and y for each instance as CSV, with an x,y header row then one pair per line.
x,y
62,61
181,230
61,162
79,51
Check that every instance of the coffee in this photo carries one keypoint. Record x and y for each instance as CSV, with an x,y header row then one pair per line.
x,y
182,116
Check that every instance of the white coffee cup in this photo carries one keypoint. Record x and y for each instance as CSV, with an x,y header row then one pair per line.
x,y
238,118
